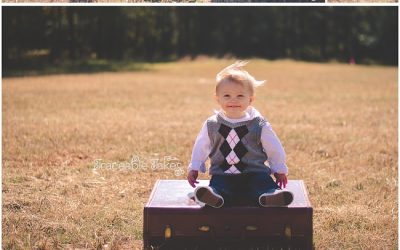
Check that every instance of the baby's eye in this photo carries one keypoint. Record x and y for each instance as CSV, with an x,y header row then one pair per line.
x,y
240,96
227,96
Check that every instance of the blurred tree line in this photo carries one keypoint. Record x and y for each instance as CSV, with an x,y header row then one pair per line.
x,y
55,34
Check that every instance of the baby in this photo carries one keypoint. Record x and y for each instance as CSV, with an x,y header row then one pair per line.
x,y
238,140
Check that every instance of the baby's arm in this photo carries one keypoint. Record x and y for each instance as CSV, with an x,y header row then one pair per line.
x,y
201,150
276,154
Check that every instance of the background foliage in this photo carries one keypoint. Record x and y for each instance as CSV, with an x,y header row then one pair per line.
x,y
34,36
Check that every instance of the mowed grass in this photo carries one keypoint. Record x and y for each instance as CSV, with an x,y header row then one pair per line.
x,y
337,122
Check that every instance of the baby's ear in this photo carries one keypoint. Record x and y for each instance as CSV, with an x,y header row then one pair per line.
x,y
216,98
252,98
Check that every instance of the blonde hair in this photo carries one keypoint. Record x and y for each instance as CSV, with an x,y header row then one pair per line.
x,y
235,73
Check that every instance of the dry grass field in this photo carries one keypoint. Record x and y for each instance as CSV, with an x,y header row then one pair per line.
x,y
337,122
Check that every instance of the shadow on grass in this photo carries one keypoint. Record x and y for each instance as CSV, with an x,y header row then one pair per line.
x,y
74,67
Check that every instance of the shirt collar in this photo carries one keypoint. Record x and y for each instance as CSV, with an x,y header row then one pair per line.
x,y
250,114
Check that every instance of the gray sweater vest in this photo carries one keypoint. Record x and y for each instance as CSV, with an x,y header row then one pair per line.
x,y
236,147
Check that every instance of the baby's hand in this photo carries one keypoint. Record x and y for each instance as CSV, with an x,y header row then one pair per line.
x,y
192,176
281,179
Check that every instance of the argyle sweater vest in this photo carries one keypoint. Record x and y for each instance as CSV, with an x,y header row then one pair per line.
x,y
236,147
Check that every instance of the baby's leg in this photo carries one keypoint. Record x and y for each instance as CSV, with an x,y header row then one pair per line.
x,y
260,183
266,192
222,185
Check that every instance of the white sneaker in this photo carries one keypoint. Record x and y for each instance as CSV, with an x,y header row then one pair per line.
x,y
278,198
208,196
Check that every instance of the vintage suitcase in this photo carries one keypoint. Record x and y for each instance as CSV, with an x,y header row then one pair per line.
x,y
173,221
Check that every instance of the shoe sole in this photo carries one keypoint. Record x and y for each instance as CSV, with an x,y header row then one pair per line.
x,y
276,200
204,195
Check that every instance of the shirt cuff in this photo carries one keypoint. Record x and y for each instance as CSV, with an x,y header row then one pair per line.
x,y
280,169
198,166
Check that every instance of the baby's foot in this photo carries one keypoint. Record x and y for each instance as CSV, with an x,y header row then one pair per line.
x,y
209,197
278,198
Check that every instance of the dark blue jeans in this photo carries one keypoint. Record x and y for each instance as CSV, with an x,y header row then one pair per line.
x,y
242,186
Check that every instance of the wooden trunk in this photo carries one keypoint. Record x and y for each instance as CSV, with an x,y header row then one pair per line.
x,y
173,221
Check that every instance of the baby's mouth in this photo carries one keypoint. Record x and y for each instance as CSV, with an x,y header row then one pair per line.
x,y
233,106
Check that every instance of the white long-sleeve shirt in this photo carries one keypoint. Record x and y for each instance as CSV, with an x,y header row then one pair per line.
x,y
269,140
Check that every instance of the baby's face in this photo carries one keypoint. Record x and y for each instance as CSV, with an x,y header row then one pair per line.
x,y
234,99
